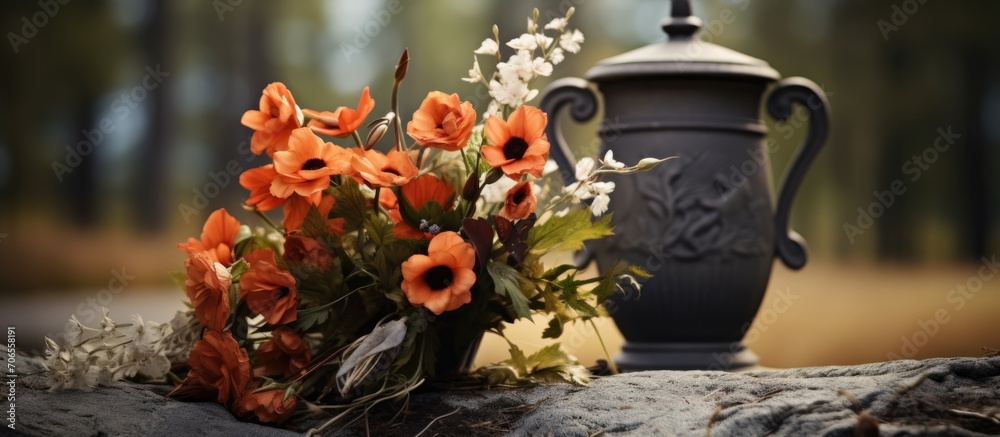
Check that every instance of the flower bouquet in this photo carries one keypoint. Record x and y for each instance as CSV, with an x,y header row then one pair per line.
x,y
386,268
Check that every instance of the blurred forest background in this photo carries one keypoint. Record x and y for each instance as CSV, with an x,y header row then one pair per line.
x,y
167,81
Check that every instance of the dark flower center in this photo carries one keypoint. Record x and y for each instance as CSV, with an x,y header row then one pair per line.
x,y
515,148
519,197
281,292
391,170
439,277
314,164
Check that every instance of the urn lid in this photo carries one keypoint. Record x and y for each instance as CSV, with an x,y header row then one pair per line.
x,y
683,54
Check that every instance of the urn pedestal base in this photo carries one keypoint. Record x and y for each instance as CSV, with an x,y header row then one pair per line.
x,y
684,356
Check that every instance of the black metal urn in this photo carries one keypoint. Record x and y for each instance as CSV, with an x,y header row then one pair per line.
x,y
705,224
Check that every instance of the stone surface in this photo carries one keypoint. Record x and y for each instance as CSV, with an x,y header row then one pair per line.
x,y
954,396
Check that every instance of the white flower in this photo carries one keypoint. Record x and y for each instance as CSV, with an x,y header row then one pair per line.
x,y
526,41
519,66
475,74
584,167
557,24
550,167
609,160
570,41
532,25
492,110
489,47
556,56
543,41
600,205
563,212
540,67
511,93
602,188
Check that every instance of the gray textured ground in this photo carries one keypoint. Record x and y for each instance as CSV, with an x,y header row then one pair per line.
x,y
959,396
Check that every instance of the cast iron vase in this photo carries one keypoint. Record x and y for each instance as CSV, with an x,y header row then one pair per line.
x,y
705,224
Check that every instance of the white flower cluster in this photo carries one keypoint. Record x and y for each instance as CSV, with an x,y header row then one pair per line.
x,y
100,356
587,185
535,54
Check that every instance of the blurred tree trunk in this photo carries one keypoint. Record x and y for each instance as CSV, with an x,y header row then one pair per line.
x,y
150,196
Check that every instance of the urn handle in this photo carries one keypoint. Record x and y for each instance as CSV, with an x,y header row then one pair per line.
x,y
583,103
789,245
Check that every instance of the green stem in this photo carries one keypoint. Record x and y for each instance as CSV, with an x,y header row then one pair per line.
x,y
396,123
357,138
611,363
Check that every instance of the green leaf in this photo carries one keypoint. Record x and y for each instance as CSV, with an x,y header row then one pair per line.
x,y
554,330
554,273
567,232
574,299
237,269
549,364
508,283
609,281
314,224
350,204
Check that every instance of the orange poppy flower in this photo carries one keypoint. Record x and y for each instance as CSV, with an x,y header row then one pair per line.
x,y
380,170
423,189
305,168
348,120
218,236
258,181
520,202
442,121
283,355
441,280
207,286
268,290
519,145
220,369
268,406
274,122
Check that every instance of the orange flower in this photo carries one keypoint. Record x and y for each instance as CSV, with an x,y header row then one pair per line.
x,y
380,170
441,280
520,202
442,121
348,120
304,250
283,355
220,369
258,181
305,168
217,238
274,122
268,290
426,188
269,406
207,287
518,146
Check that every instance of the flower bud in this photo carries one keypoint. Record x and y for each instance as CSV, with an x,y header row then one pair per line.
x,y
375,135
404,62
471,190
646,164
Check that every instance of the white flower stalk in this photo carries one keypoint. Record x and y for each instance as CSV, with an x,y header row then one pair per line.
x,y
94,357
535,55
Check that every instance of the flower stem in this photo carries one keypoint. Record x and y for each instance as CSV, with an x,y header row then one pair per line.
x,y
357,138
611,363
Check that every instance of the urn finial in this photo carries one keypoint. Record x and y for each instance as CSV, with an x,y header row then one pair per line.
x,y
681,24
